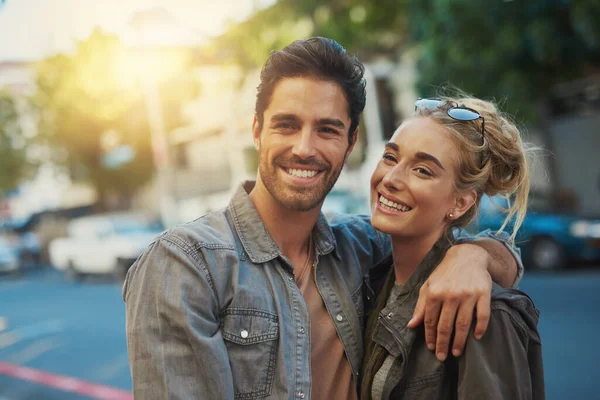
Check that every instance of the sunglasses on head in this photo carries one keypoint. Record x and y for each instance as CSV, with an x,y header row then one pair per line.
x,y
456,112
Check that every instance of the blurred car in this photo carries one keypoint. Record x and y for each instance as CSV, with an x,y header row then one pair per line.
x,y
31,249
344,202
102,244
550,236
9,257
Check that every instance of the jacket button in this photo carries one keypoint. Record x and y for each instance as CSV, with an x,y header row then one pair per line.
x,y
301,394
244,334
390,315
301,330
339,318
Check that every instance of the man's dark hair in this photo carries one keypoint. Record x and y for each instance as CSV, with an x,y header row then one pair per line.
x,y
319,58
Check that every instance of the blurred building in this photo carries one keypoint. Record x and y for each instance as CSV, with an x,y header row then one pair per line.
x,y
215,152
575,135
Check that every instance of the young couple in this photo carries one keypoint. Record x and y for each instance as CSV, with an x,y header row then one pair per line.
x,y
268,299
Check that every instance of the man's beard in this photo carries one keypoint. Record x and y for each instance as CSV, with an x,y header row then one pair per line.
x,y
297,198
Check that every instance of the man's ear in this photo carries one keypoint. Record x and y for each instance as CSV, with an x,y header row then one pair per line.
x,y
351,147
463,203
256,133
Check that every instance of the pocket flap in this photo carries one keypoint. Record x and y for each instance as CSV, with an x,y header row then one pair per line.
x,y
248,326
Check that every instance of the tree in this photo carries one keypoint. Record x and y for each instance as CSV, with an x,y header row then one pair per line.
x,y
366,28
515,50
510,50
13,160
93,100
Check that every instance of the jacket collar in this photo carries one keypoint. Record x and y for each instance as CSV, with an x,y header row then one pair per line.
x,y
257,241
393,333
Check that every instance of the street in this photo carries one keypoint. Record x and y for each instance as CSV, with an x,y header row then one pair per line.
x,y
74,330
70,336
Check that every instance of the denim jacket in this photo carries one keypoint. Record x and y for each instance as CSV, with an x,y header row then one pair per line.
x,y
214,312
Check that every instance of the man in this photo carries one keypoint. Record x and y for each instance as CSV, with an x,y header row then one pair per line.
x,y
263,299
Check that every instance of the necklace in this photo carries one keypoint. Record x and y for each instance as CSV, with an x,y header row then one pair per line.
x,y
308,262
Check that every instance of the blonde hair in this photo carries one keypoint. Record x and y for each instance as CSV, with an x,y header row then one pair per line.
x,y
495,164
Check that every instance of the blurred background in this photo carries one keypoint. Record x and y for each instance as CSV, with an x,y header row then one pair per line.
x,y
119,119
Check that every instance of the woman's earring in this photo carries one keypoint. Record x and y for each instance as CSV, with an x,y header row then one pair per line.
x,y
450,215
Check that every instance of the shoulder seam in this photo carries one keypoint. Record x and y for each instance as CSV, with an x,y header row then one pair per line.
x,y
523,328
193,255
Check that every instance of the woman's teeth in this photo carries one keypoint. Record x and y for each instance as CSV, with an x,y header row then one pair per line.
x,y
393,205
301,173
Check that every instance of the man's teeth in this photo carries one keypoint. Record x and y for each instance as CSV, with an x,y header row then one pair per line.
x,y
393,205
301,173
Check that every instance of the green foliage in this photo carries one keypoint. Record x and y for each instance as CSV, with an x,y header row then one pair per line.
x,y
13,161
363,27
248,44
510,50
98,89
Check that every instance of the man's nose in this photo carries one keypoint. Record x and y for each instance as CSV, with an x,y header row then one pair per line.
x,y
304,146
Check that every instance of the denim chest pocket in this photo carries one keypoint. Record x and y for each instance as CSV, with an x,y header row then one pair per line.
x,y
251,337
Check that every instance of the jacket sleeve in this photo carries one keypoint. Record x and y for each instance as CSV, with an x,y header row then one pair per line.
x,y
497,366
374,245
463,236
175,346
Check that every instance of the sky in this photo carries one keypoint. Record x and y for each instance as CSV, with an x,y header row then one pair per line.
x,y
33,29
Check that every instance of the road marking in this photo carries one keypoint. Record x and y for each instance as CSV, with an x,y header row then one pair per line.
x,y
64,383
8,339
34,350
32,331
112,369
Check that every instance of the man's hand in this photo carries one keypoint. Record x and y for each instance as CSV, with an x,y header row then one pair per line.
x,y
447,300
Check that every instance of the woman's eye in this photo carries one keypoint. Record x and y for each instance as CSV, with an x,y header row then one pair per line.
x,y
424,171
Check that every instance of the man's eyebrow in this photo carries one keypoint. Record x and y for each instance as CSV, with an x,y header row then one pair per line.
x,y
284,117
428,157
331,121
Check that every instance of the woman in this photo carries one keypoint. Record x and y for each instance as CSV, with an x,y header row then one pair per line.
x,y
429,181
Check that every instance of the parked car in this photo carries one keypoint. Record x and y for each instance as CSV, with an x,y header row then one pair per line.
x,y
9,257
102,244
551,237
344,202
30,248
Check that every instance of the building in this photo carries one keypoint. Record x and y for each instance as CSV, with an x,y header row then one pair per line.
x,y
575,142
